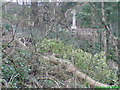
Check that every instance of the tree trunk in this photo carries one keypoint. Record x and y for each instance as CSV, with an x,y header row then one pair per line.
x,y
17,1
93,26
4,9
104,33
34,13
118,48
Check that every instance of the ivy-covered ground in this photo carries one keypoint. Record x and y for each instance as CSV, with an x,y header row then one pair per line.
x,y
25,68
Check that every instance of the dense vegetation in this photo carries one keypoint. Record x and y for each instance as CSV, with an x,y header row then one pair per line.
x,y
37,31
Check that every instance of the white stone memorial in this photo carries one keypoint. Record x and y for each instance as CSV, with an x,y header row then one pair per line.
x,y
74,20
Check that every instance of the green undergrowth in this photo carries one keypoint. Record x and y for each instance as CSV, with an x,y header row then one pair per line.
x,y
17,68
69,38
93,65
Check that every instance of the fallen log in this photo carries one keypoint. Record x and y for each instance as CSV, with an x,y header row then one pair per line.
x,y
77,73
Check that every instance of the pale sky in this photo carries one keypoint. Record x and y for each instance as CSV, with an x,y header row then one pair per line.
x,y
63,0
19,1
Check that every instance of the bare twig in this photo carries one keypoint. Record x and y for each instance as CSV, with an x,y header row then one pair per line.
x,y
13,35
12,78
48,78
5,83
5,4
9,54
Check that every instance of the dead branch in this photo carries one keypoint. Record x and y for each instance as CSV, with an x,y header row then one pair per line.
x,y
49,78
5,4
74,70
13,35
